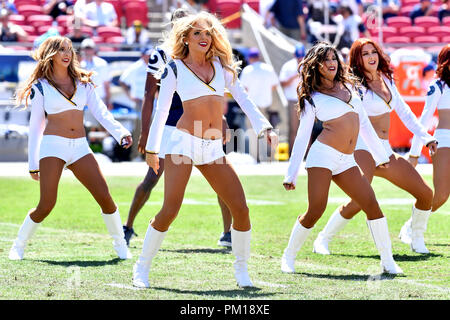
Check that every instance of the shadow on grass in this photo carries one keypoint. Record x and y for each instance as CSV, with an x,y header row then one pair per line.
x,y
397,257
82,264
248,293
202,250
349,277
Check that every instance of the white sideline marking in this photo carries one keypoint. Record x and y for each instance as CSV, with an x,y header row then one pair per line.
x,y
271,285
123,286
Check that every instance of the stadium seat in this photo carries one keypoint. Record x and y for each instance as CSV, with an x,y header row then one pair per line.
x,y
409,2
107,32
18,3
212,5
18,19
427,22
115,40
29,10
44,29
30,30
39,20
426,39
406,10
226,8
136,11
254,4
84,29
63,20
412,31
387,32
399,22
440,31
446,39
446,21
398,39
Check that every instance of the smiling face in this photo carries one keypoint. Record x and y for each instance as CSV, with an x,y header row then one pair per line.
x,y
370,58
63,57
329,67
199,37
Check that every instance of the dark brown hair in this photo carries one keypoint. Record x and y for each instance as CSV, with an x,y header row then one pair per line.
x,y
357,65
443,65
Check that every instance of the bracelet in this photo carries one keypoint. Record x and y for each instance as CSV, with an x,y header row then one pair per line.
x,y
151,152
411,156
34,171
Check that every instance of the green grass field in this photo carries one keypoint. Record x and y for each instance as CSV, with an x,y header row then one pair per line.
x,y
71,256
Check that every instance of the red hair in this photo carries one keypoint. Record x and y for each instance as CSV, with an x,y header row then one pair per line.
x,y
443,65
357,65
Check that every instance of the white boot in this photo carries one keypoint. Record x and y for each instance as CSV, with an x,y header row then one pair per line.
x,y
380,234
419,222
26,231
405,232
240,246
152,243
115,229
334,225
298,236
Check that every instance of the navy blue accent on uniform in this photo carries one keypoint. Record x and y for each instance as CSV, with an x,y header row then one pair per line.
x,y
172,64
32,94
163,55
153,68
153,59
439,84
176,111
431,91
165,73
39,86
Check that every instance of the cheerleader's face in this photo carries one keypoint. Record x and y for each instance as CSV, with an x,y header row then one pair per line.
x,y
370,57
63,57
199,37
328,68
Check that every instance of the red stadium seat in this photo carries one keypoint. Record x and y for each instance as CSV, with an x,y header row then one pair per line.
x,y
254,4
387,32
29,10
412,31
426,39
115,40
398,39
410,2
18,19
107,32
136,11
445,39
399,22
30,38
63,20
427,22
440,31
84,29
40,20
97,39
44,29
406,10
18,3
227,8
446,21
212,5
30,30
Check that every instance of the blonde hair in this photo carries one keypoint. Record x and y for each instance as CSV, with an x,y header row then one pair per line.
x,y
44,69
220,45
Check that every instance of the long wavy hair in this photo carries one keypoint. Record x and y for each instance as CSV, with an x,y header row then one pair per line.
x,y
220,44
443,61
357,65
310,76
44,68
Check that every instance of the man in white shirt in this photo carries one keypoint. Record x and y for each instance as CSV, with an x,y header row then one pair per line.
x,y
90,61
133,81
260,80
289,80
100,13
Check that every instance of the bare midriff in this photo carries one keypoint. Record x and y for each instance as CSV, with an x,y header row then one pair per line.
x,y
341,133
444,119
202,117
68,124
381,124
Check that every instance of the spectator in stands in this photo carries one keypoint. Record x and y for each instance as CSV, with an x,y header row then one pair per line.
x,y
91,62
57,8
424,8
10,32
78,8
137,34
352,25
132,82
77,35
444,10
8,5
391,8
264,7
289,80
287,16
100,13
260,80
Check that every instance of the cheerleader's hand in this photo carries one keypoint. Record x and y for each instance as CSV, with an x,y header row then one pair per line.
x,y
126,142
289,186
152,161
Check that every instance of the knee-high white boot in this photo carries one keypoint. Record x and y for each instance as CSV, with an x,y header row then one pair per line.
x,y
298,236
152,243
333,226
26,231
419,221
380,234
405,232
115,229
240,246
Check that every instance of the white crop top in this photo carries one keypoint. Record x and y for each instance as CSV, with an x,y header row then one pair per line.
x,y
326,108
438,96
189,86
47,99
376,105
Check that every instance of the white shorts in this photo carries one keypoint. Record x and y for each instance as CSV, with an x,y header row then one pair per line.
x,y
164,140
323,156
361,145
68,150
200,151
443,138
